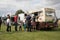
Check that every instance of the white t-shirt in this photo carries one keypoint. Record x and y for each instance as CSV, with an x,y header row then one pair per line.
x,y
8,21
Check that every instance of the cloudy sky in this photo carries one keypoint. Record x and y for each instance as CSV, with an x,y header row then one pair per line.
x,y
10,6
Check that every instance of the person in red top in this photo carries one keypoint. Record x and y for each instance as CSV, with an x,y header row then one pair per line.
x,y
15,20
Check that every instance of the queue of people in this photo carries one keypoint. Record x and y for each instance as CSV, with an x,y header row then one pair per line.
x,y
28,23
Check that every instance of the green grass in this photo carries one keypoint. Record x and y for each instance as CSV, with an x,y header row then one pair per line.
x,y
21,35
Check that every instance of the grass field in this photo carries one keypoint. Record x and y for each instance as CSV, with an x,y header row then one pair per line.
x,y
21,35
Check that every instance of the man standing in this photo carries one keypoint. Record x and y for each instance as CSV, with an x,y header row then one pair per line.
x,y
28,19
15,21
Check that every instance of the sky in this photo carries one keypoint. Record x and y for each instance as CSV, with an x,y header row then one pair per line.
x,y
11,6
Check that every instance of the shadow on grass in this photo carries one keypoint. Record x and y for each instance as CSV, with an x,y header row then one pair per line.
x,y
5,32
58,29
12,32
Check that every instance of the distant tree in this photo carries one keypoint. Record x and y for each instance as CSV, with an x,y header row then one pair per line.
x,y
19,12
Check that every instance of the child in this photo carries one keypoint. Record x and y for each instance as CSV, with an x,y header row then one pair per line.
x,y
33,23
24,24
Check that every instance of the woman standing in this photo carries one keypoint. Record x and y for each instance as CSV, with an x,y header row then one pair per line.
x,y
8,23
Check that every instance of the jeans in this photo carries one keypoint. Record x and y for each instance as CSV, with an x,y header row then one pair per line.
x,y
8,28
16,26
24,27
29,27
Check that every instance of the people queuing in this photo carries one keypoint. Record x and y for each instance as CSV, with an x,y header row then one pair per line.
x,y
28,23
